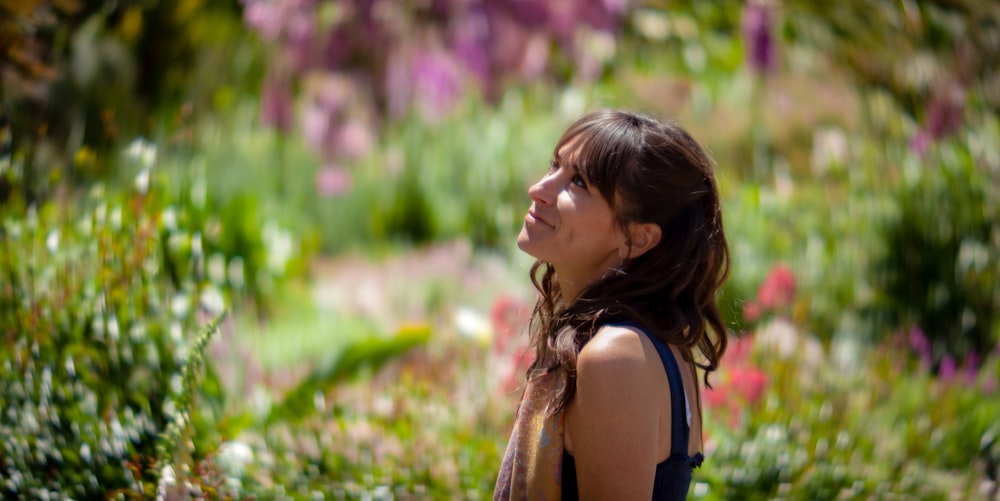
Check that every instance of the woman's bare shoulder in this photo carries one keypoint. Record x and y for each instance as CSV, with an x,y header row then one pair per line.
x,y
616,348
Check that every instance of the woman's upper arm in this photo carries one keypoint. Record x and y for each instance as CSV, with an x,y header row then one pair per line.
x,y
613,418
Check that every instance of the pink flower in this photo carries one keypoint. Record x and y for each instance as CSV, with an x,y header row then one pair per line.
x,y
749,382
751,311
333,181
778,289
716,396
509,316
738,350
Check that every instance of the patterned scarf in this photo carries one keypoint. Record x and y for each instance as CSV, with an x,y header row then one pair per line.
x,y
532,465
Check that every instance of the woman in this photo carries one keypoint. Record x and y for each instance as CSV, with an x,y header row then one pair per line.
x,y
627,231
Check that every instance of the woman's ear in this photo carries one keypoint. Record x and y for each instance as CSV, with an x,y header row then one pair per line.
x,y
645,236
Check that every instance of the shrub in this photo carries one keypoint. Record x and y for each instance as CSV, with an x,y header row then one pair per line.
x,y
95,343
942,254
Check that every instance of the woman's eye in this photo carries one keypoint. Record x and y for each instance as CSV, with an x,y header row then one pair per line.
x,y
553,166
578,180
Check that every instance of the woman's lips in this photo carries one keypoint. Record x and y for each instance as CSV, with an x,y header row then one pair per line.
x,y
532,217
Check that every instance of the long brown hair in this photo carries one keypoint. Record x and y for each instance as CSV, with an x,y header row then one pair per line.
x,y
649,172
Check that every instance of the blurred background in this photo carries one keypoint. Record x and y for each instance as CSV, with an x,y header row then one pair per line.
x,y
265,248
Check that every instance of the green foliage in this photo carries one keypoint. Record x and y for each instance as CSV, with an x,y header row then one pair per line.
x,y
92,343
366,354
942,253
907,435
83,76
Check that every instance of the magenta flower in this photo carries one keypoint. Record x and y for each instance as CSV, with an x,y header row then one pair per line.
x,y
760,52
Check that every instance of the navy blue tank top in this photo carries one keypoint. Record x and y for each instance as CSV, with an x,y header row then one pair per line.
x,y
673,475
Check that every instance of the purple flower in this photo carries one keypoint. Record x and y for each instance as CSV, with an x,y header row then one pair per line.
x,y
470,40
971,365
919,343
276,103
947,369
944,116
430,80
757,30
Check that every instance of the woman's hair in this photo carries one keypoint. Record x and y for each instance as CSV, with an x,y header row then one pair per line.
x,y
648,172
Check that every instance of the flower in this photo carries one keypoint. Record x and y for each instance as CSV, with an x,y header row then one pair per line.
x,y
332,181
276,104
749,383
778,289
757,30
508,316
947,369
776,292
944,116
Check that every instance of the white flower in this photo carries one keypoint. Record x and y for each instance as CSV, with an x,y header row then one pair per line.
x,y
780,335
212,300
142,181
471,324
141,151
279,245
233,457
52,241
167,480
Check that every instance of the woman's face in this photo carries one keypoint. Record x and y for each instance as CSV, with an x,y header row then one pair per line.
x,y
570,225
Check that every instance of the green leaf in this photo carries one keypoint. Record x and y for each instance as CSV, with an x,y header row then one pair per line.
x,y
367,353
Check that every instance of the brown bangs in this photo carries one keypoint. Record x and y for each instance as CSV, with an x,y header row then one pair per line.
x,y
604,148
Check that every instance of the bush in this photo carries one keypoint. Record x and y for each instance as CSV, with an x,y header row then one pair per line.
x,y
96,310
942,254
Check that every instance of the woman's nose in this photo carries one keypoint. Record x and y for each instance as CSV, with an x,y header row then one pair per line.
x,y
543,192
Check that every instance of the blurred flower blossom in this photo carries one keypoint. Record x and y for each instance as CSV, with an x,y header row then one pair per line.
x,y
428,79
141,151
920,344
780,335
233,457
332,181
276,103
509,316
473,325
776,292
829,149
757,29
947,369
279,245
971,366
749,382
944,116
